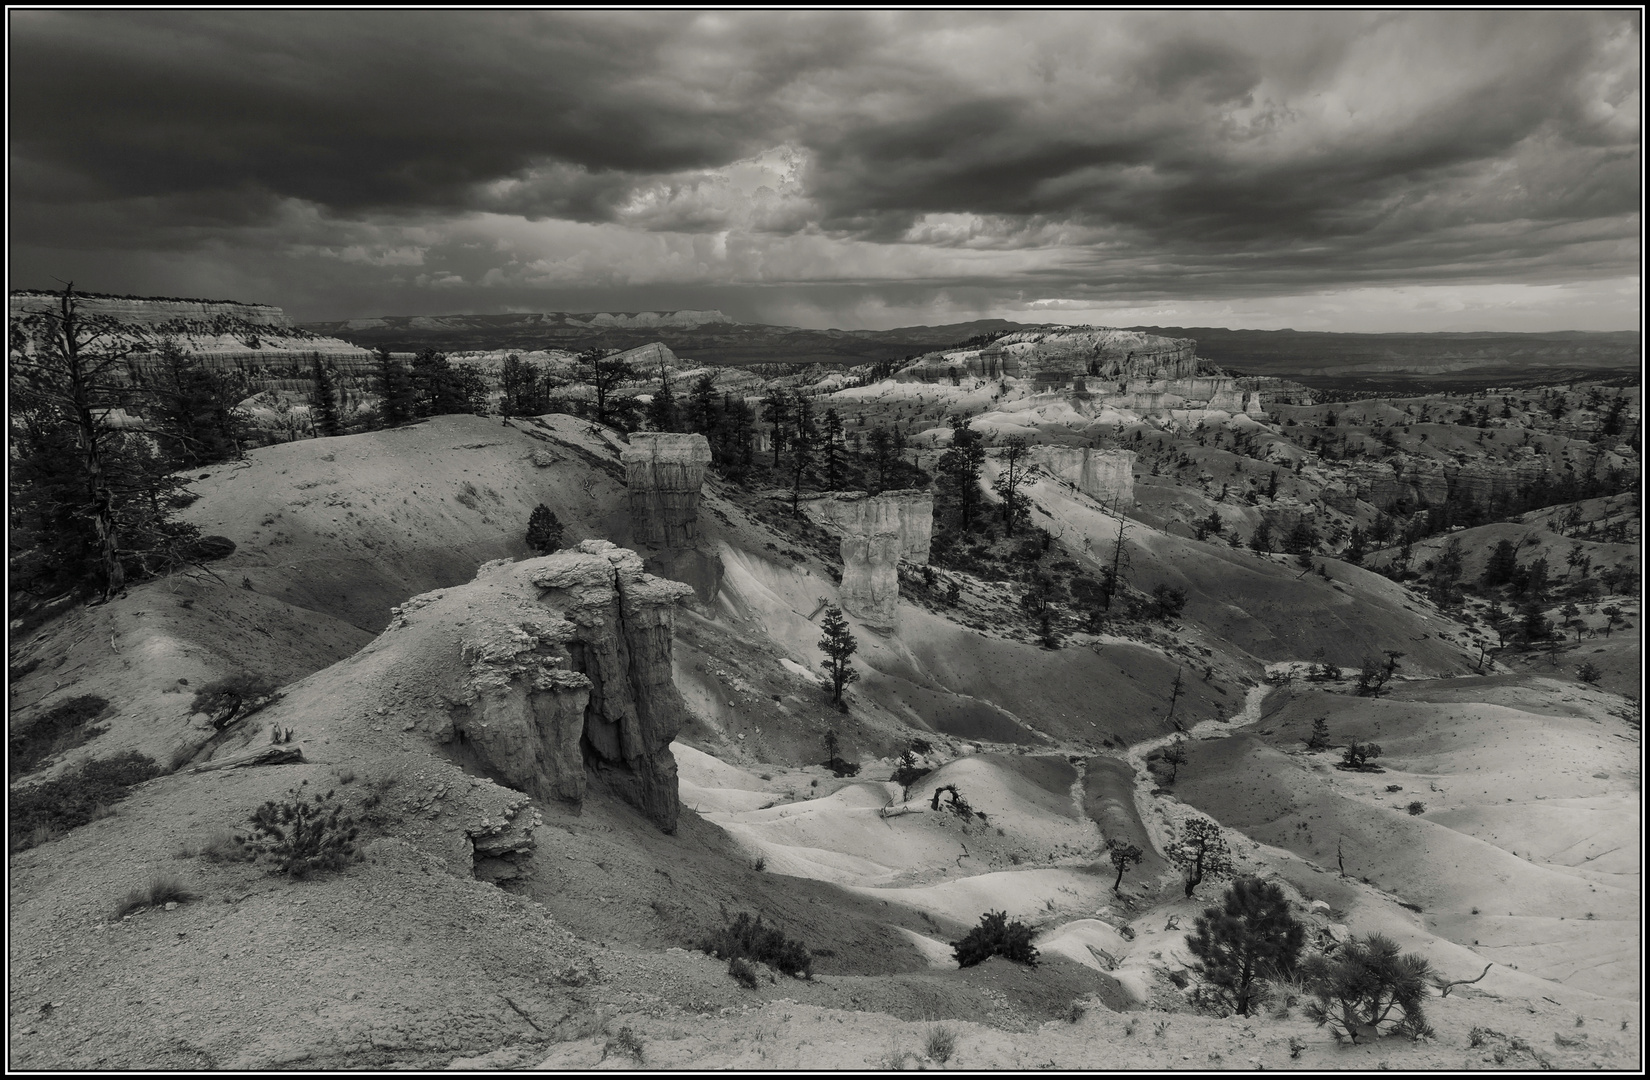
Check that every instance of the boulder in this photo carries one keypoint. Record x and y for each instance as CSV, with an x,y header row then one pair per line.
x,y
664,472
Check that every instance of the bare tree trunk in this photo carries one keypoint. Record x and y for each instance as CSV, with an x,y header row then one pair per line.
x,y
100,498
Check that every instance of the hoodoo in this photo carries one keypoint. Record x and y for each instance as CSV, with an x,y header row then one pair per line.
x,y
877,532
664,472
578,675
1106,476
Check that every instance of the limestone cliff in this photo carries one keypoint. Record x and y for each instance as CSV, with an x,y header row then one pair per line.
x,y
1055,355
1106,476
568,673
877,532
664,472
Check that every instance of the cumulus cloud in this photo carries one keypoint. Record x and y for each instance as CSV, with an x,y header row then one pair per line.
x,y
978,157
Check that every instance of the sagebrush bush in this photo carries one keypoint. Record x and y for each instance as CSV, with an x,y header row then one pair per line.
x,y
40,811
942,1043
162,889
996,936
743,972
748,938
304,836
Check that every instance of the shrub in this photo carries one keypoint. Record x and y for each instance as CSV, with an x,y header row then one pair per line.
x,y
908,772
1358,755
1416,808
1363,985
742,971
1320,735
1589,673
39,812
162,889
1249,937
942,1043
63,727
748,938
626,1042
996,936
304,836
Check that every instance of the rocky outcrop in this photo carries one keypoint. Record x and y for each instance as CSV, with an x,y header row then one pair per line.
x,y
877,531
1106,476
1411,483
575,679
664,472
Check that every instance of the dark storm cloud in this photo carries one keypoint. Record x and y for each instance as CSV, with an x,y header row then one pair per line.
x,y
1218,152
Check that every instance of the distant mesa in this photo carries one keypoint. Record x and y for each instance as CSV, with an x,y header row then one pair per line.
x,y
527,320
1096,368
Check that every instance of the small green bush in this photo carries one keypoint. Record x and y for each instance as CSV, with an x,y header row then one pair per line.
x,y
39,812
306,836
996,936
63,727
748,938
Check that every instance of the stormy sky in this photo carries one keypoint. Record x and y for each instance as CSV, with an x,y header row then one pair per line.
x,y
1335,171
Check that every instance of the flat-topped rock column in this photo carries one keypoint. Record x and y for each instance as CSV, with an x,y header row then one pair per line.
x,y
664,472
877,532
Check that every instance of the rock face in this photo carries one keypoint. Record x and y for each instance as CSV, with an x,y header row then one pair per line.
x,y
1106,476
576,680
1053,357
877,532
664,473
1414,482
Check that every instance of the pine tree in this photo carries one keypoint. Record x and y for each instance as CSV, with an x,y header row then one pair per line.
x,y
882,454
519,381
394,389
959,469
604,374
776,410
1250,936
661,411
90,505
833,450
544,532
323,399
192,411
1202,852
1009,481
802,448
1123,854
1320,735
838,645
